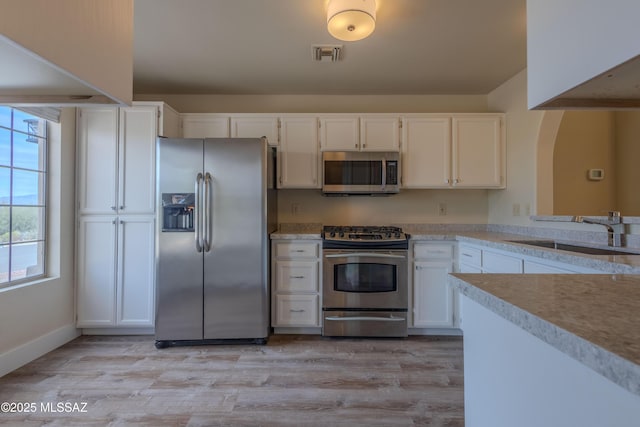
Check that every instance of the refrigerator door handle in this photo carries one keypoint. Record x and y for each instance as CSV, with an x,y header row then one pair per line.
x,y
198,220
206,240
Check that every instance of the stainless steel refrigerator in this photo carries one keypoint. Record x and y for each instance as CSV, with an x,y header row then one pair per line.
x,y
216,208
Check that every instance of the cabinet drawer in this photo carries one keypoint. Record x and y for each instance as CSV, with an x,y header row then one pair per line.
x,y
497,263
297,310
297,250
531,267
296,276
466,268
471,256
428,251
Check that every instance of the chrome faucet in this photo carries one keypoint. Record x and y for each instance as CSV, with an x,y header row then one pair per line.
x,y
615,227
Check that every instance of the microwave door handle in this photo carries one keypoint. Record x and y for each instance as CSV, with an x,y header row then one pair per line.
x,y
365,254
384,173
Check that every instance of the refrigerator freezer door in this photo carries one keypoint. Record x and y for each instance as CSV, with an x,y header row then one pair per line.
x,y
235,267
179,297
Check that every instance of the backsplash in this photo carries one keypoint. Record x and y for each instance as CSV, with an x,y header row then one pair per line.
x,y
409,206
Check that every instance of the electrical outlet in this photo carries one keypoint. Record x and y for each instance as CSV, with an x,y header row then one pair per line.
x,y
295,209
527,209
442,209
516,209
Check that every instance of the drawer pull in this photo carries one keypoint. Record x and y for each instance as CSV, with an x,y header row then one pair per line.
x,y
296,311
296,277
299,251
468,255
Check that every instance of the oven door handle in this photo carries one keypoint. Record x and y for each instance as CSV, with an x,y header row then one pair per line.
x,y
365,254
359,318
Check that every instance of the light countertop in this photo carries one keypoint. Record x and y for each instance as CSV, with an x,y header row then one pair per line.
x,y
474,234
590,317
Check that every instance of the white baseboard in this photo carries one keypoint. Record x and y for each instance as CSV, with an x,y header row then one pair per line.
x,y
118,331
27,352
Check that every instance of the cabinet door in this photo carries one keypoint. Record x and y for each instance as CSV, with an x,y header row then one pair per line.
x,y
379,133
205,126
97,160
426,152
339,134
135,285
96,271
298,155
493,262
137,157
477,152
433,303
255,127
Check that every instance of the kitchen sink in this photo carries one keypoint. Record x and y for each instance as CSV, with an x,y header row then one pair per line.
x,y
551,244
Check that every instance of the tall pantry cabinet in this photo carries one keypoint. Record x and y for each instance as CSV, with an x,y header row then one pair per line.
x,y
115,193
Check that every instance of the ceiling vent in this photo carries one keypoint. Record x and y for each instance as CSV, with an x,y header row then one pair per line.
x,y
327,53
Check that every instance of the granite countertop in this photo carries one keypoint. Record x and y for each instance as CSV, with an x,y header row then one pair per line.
x,y
591,317
297,231
477,234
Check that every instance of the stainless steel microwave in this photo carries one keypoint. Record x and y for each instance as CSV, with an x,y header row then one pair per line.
x,y
355,172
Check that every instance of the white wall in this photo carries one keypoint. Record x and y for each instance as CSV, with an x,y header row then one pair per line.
x,y
571,41
91,40
523,127
322,103
37,318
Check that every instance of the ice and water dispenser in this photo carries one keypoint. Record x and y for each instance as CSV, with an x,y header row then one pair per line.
x,y
177,211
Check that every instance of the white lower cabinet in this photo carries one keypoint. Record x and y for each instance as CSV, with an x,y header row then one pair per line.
x,y
434,301
295,285
115,274
478,259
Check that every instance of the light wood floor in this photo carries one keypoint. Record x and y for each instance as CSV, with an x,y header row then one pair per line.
x,y
291,381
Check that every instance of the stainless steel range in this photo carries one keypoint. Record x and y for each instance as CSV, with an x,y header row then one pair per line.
x,y
365,288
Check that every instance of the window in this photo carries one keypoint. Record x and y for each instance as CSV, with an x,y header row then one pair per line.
x,y
23,160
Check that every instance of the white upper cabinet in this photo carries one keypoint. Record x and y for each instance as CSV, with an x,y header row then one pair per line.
x,y
195,125
298,160
339,133
255,127
359,133
453,151
116,159
97,160
426,152
379,133
477,152
137,159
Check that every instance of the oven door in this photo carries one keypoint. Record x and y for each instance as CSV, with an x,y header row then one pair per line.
x,y
365,280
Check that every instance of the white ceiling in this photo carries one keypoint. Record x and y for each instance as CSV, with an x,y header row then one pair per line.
x,y
264,47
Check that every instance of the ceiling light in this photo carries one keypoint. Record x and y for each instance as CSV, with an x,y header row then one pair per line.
x,y
351,20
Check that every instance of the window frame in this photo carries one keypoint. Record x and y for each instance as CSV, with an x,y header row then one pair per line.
x,y
42,203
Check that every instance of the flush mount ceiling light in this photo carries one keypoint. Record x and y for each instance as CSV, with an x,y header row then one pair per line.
x,y
351,20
